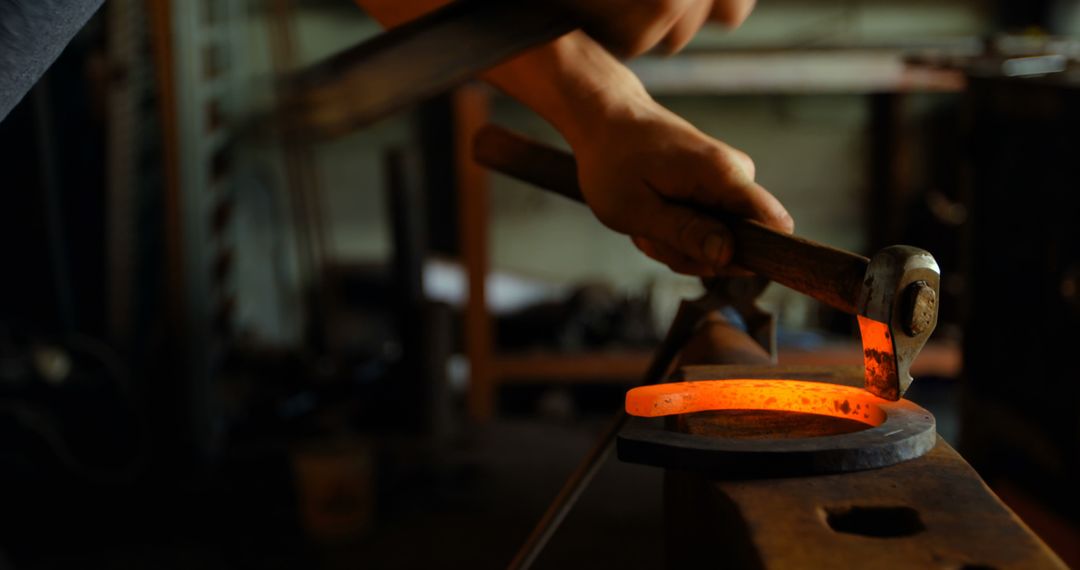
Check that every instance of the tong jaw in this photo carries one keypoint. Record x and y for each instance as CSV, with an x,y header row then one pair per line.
x,y
897,312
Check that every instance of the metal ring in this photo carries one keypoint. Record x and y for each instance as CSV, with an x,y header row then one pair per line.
x,y
900,431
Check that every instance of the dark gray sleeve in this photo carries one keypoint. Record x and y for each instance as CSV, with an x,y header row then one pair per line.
x,y
32,35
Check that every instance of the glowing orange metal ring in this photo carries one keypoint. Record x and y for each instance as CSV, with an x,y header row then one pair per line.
x,y
782,395
896,430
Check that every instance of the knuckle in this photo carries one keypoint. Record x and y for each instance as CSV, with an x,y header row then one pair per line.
x,y
748,164
729,164
746,160
785,221
716,153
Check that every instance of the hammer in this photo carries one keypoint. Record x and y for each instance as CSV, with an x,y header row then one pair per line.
x,y
893,294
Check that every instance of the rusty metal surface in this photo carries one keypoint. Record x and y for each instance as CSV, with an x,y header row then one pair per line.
x,y
931,512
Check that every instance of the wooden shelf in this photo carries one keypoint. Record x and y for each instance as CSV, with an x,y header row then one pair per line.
x,y
551,367
858,71
937,358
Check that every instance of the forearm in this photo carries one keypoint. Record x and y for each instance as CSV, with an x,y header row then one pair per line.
x,y
572,82
643,170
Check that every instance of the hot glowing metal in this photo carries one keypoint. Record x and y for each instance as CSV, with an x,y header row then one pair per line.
x,y
895,430
781,395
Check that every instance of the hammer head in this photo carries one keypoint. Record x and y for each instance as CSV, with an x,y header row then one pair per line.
x,y
897,310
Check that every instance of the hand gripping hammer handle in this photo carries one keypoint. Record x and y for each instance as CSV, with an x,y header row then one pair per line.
x,y
830,275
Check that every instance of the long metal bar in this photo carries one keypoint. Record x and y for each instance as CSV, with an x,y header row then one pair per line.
x,y
686,321
417,60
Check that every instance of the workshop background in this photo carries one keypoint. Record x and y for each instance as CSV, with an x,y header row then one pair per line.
x,y
225,348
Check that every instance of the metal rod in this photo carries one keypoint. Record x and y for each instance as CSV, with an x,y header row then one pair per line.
x,y
682,327
568,496
419,59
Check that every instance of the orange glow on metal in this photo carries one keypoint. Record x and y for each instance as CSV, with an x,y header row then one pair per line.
x,y
879,358
782,395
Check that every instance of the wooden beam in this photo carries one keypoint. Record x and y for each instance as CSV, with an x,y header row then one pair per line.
x,y
470,110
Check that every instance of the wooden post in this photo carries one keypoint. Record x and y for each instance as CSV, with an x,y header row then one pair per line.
x,y
470,110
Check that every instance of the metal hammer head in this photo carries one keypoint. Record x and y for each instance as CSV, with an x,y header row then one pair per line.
x,y
897,310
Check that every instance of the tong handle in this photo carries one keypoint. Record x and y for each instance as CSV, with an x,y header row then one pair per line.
x,y
832,276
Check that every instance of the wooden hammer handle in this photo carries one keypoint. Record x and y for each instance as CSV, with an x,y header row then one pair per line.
x,y
832,276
